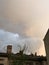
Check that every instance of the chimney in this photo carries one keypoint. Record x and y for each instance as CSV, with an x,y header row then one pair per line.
x,y
35,53
9,49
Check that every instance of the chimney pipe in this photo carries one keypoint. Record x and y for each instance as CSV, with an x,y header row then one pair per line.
x,y
9,49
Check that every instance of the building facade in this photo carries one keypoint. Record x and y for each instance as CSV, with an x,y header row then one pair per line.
x,y
46,42
21,59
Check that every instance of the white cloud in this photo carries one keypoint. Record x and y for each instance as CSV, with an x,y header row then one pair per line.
x,y
8,38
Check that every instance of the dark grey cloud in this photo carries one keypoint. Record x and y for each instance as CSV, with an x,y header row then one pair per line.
x,y
18,27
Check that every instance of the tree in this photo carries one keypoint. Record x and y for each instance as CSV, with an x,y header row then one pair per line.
x,y
21,51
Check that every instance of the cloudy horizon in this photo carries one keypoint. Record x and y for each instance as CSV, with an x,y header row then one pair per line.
x,y
24,20
33,44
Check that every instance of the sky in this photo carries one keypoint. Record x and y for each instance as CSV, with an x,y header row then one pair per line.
x,y
26,21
